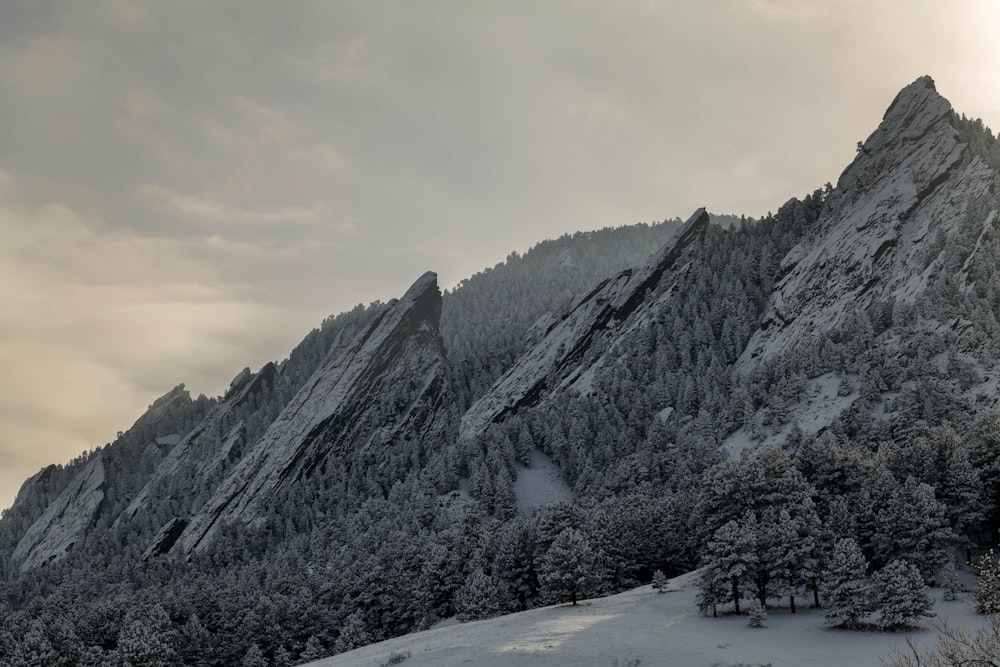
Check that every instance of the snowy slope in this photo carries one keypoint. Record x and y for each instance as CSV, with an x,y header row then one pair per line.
x,y
343,408
554,361
539,484
64,522
912,179
823,400
642,627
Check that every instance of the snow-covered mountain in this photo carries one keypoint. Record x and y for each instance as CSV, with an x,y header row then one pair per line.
x,y
554,362
379,396
65,521
888,225
384,476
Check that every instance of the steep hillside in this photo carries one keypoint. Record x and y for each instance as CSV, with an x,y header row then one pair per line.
x,y
884,236
380,396
893,291
385,476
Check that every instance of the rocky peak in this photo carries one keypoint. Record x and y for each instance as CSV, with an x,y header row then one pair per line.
x,y
913,179
65,522
555,360
158,409
915,108
378,392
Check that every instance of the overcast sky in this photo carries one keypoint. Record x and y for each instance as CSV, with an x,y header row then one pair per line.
x,y
187,187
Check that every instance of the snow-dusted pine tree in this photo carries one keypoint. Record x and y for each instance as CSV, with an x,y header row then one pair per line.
x,y
254,657
949,582
713,590
568,567
900,595
313,650
659,581
147,639
849,597
482,596
352,634
988,592
758,615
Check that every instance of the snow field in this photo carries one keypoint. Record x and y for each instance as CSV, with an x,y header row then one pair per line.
x,y
653,629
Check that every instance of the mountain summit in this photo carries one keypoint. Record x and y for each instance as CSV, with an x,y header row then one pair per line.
x,y
882,238
374,398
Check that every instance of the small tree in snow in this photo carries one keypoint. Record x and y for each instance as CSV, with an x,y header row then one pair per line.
x,y
949,582
758,615
901,596
849,597
659,581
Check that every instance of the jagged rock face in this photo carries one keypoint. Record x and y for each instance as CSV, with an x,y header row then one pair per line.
x,y
65,522
912,179
176,397
199,455
555,360
382,389
166,538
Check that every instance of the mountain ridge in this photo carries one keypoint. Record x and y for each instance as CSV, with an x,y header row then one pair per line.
x,y
367,486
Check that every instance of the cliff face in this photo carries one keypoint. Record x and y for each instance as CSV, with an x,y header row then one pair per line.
x,y
200,454
65,522
378,392
882,236
555,361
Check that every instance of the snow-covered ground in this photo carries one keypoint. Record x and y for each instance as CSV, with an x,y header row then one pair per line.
x,y
642,627
540,485
823,401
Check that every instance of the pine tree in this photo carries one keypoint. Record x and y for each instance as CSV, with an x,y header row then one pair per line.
x,y
313,650
758,614
254,657
732,555
568,567
849,597
194,643
713,590
515,561
353,634
659,582
482,596
900,595
988,592
34,648
949,582
147,640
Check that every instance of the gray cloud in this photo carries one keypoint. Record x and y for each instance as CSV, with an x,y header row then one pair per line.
x,y
186,188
